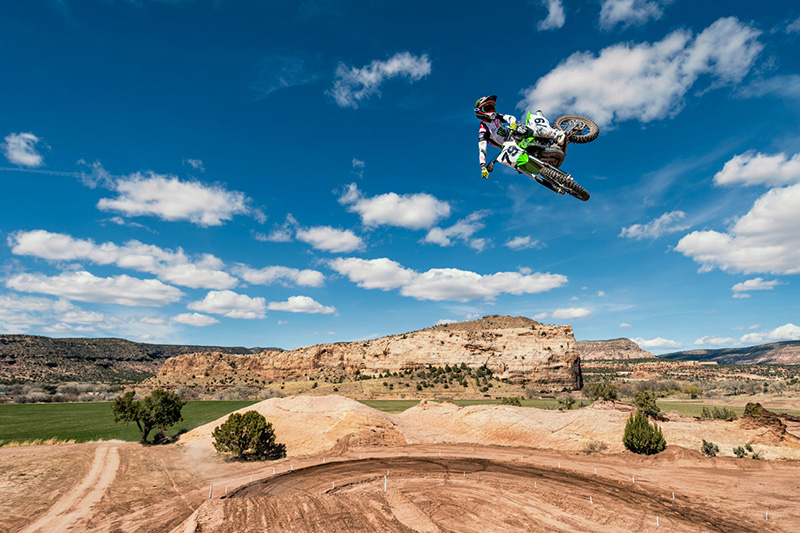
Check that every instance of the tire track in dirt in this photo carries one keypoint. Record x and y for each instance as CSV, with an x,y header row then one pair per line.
x,y
76,504
369,472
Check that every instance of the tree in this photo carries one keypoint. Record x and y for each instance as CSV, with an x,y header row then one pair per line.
x,y
602,391
248,436
692,390
159,409
643,437
646,403
566,401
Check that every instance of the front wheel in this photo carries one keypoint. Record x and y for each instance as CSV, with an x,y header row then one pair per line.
x,y
565,182
581,129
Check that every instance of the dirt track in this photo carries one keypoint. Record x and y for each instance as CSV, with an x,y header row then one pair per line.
x,y
77,503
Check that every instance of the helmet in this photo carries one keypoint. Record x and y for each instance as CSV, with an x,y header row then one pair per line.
x,y
485,108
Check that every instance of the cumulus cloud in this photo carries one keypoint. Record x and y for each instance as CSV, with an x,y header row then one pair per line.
x,y
231,305
281,274
570,313
625,325
195,319
787,332
522,243
794,26
656,343
19,313
764,240
169,198
555,15
352,85
463,230
629,12
646,81
203,272
196,164
713,340
85,287
330,239
411,211
20,149
755,284
754,168
301,304
663,225
442,283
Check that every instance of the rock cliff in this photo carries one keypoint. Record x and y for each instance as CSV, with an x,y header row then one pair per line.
x,y
611,349
514,348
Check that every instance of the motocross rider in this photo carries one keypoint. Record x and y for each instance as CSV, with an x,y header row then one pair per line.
x,y
494,131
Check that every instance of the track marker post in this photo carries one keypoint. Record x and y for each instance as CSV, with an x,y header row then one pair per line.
x,y
384,483
595,471
323,460
673,494
273,470
211,491
534,484
333,485
590,500
657,524
291,467
766,516
633,480
559,464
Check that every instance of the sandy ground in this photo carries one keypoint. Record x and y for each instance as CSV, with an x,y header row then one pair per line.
x,y
482,468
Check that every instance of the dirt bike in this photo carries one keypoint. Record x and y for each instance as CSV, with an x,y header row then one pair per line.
x,y
541,158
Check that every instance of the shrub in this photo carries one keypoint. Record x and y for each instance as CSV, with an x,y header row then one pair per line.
x,y
248,436
709,449
692,390
602,391
565,402
739,452
643,437
595,446
511,401
646,403
719,413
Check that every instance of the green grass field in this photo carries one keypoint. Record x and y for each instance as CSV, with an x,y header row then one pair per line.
x,y
85,422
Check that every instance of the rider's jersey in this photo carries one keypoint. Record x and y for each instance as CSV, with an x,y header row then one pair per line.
x,y
495,133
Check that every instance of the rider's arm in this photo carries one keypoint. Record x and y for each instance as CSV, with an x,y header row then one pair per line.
x,y
511,119
483,139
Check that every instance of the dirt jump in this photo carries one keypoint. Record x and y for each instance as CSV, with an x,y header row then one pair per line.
x,y
435,467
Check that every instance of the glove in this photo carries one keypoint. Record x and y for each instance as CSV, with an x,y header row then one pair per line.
x,y
484,171
513,125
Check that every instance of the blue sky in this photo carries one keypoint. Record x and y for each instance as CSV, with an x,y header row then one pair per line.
x,y
292,173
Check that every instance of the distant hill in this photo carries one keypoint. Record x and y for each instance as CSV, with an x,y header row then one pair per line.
x,y
610,350
35,358
775,353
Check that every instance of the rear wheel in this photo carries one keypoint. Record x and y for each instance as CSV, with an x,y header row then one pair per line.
x,y
583,129
565,182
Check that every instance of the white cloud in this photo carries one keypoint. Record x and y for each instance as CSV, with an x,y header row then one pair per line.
x,y
522,243
646,81
83,317
196,164
20,149
555,16
282,233
655,343
713,340
625,325
330,239
355,84
442,283
231,305
628,12
171,266
195,319
301,304
171,199
754,168
755,284
763,240
283,275
19,313
601,294
153,321
663,225
787,332
571,312
278,72
793,27
463,230
85,287
411,211
443,321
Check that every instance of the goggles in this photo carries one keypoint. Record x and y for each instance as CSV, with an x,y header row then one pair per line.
x,y
487,107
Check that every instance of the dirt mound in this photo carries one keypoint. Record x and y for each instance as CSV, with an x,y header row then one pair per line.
x,y
312,424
